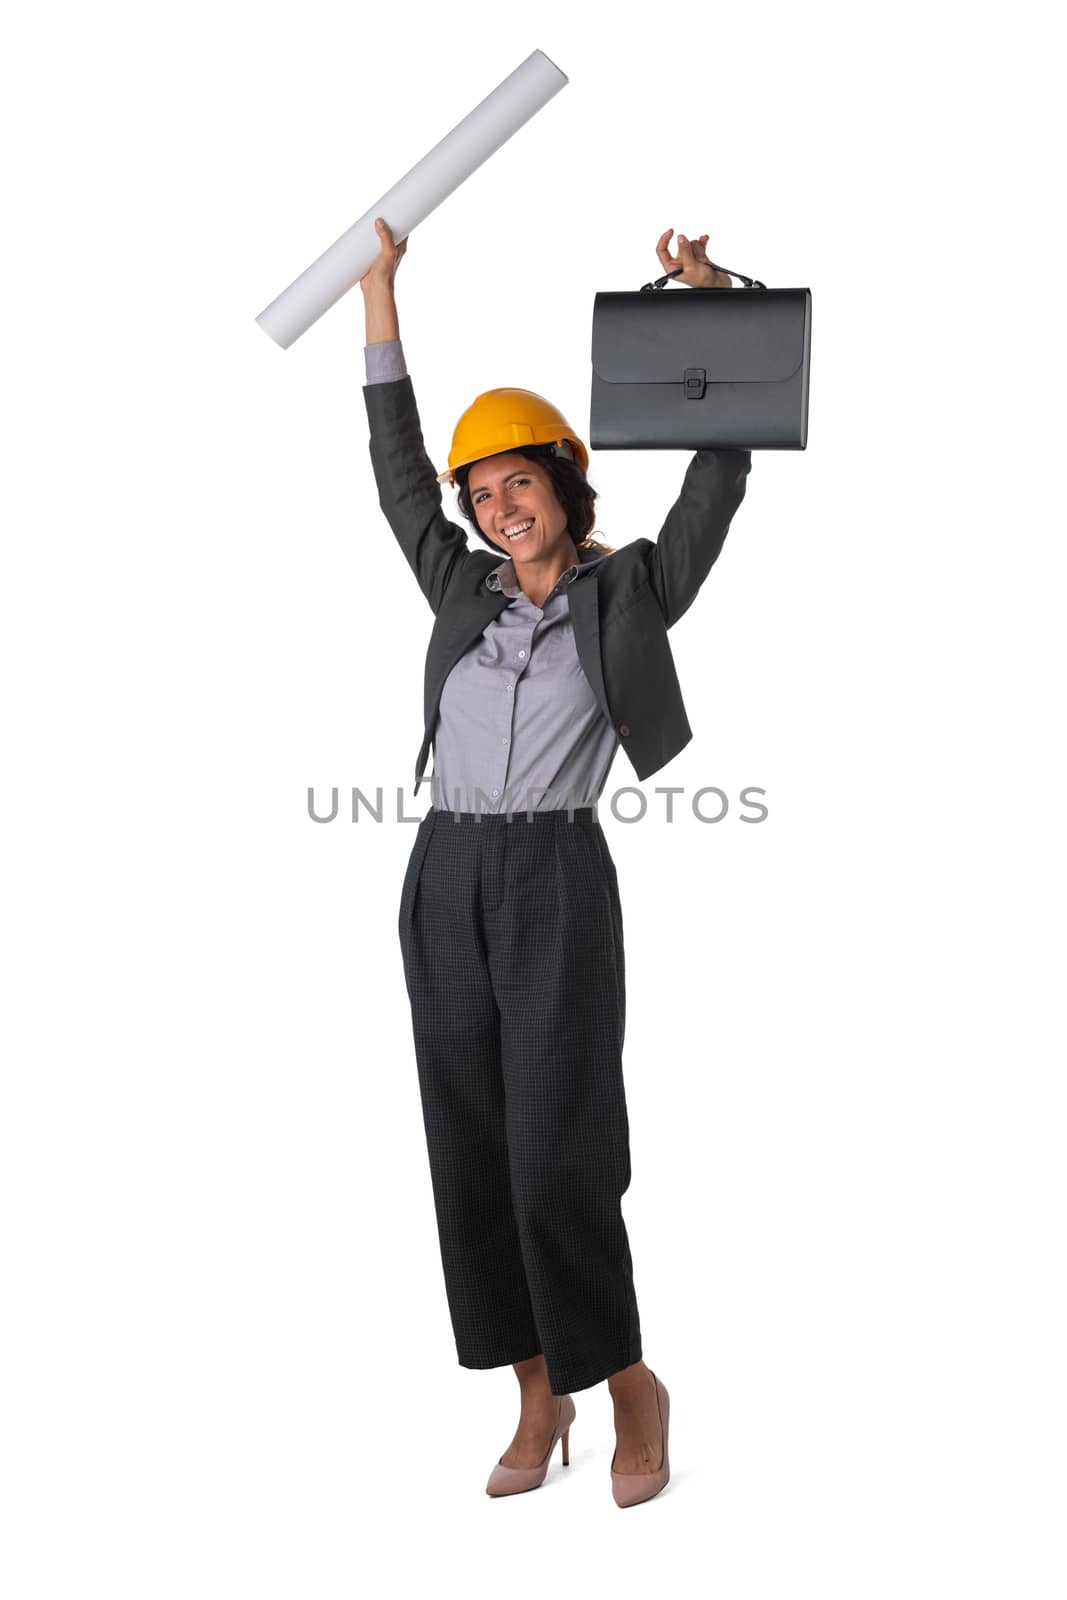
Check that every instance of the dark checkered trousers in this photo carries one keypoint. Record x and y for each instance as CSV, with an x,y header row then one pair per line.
x,y
511,934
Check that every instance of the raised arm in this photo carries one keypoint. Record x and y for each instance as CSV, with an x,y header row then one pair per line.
x,y
714,485
408,491
696,527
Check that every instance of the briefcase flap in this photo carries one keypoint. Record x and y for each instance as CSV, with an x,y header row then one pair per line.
x,y
736,335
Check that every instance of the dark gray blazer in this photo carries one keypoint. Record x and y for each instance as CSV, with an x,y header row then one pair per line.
x,y
620,611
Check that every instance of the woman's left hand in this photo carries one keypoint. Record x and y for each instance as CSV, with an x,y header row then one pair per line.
x,y
693,257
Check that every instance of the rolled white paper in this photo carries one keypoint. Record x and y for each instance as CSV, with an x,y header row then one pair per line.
x,y
492,122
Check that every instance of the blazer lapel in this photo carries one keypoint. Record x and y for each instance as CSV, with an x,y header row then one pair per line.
x,y
585,620
479,609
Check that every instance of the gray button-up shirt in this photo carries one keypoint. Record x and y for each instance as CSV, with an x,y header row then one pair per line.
x,y
518,720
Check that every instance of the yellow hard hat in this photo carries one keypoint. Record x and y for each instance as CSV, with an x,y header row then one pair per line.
x,y
507,419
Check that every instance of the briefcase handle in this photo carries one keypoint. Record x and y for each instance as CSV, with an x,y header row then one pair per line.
x,y
749,283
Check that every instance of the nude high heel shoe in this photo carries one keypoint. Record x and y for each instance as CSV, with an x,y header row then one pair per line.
x,y
514,1480
631,1487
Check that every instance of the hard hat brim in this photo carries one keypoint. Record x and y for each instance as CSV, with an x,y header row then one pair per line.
x,y
580,456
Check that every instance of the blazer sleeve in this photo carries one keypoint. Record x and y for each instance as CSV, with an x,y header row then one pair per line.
x,y
695,530
408,491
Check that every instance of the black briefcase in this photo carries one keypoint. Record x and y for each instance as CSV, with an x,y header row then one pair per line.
x,y
692,369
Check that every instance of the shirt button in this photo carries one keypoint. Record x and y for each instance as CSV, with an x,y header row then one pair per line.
x,y
522,653
624,730
504,740
495,793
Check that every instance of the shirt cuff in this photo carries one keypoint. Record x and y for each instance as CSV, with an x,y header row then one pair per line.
x,y
385,362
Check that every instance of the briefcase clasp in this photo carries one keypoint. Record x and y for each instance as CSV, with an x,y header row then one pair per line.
x,y
695,381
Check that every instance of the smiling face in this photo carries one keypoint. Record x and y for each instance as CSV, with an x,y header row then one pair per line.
x,y
509,490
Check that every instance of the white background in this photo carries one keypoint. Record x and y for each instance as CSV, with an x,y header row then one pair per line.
x,y
228,1367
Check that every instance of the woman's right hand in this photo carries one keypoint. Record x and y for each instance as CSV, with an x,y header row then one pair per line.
x,y
382,271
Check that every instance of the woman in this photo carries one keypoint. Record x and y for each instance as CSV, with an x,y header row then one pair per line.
x,y
546,654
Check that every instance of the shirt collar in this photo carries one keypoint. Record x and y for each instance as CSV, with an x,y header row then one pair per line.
x,y
503,577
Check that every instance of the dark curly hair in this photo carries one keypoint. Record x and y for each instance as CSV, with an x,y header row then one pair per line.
x,y
572,488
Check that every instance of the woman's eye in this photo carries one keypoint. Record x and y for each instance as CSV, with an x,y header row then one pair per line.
x,y
481,497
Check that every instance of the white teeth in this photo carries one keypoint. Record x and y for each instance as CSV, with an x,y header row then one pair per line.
x,y
513,533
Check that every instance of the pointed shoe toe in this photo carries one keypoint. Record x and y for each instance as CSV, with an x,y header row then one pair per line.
x,y
630,1488
516,1480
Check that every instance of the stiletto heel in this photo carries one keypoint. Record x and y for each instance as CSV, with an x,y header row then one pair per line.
x,y
515,1480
